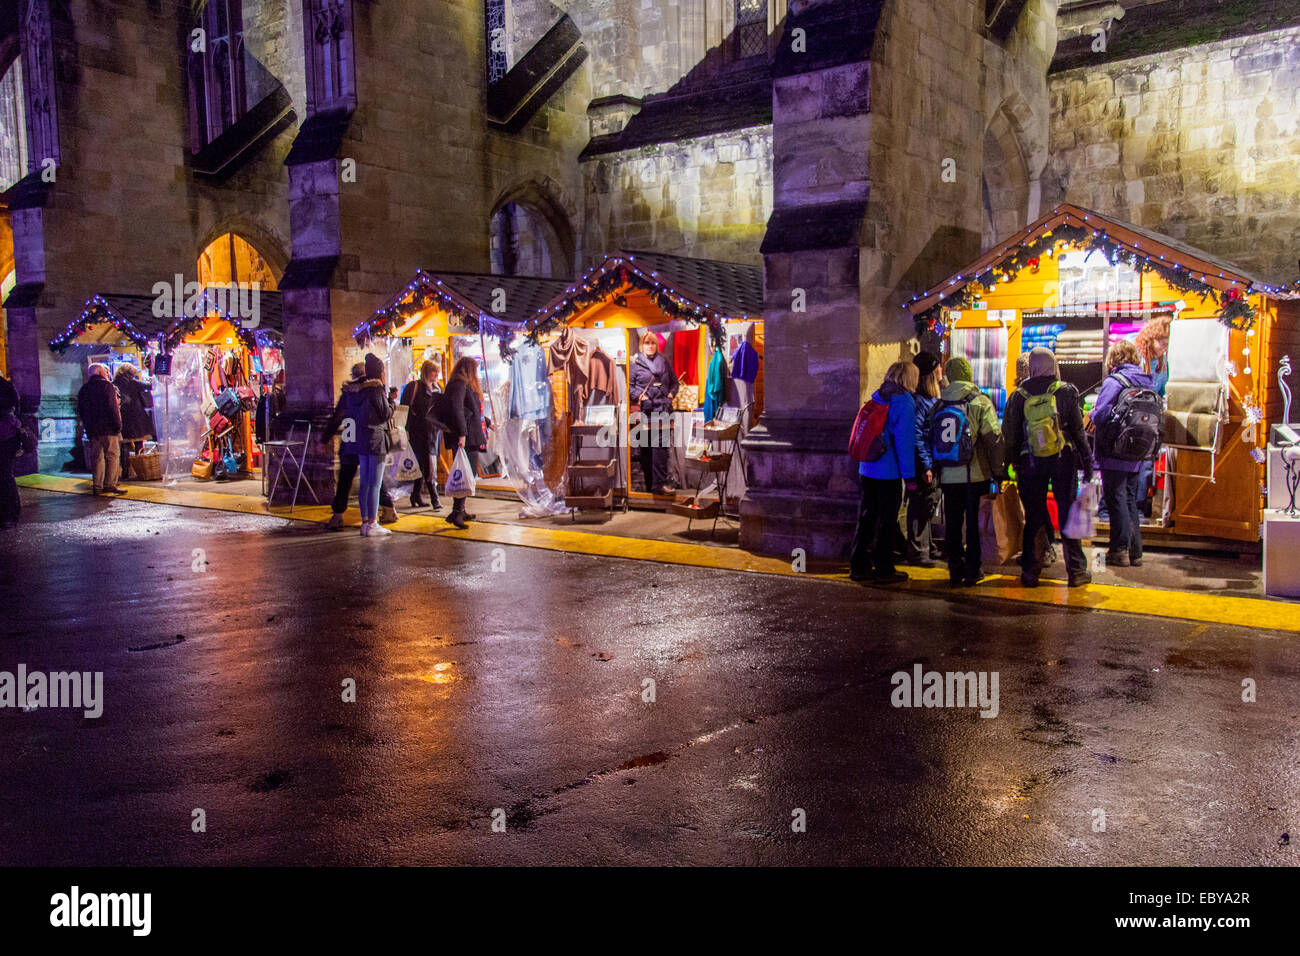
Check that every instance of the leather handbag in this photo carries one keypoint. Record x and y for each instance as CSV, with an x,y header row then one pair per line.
x,y
201,469
209,408
228,402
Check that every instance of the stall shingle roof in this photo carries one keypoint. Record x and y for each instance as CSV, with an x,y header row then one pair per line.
x,y
524,294
728,288
136,313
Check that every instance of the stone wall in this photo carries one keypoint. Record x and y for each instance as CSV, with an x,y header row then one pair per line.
x,y
708,197
126,211
1198,143
938,88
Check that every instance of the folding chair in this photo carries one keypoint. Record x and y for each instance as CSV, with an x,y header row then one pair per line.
x,y
299,458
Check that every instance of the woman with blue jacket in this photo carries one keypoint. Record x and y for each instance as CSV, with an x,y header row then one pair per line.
x,y
882,480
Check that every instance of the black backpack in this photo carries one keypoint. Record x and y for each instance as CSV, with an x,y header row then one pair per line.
x,y
1133,431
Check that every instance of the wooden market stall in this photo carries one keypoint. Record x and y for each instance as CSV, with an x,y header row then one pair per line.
x,y
451,315
698,307
1074,281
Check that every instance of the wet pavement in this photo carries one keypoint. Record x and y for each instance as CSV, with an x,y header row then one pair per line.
x,y
497,683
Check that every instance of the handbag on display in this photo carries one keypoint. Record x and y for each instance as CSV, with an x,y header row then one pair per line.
x,y
229,462
228,402
687,398
247,398
218,423
201,469
208,408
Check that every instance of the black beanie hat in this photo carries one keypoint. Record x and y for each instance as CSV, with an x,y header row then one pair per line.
x,y
926,362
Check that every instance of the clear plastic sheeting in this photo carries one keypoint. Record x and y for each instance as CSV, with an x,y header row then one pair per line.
x,y
178,413
524,434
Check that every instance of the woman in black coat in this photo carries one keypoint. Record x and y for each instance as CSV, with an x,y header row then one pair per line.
x,y
652,386
463,401
136,400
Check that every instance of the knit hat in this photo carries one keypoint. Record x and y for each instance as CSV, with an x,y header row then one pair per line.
x,y
374,366
1042,361
926,362
959,369
359,370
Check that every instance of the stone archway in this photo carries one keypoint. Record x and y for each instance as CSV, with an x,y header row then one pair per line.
x,y
243,251
530,233
1007,194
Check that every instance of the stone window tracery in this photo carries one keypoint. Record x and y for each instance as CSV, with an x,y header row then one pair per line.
x,y
330,77
38,86
218,96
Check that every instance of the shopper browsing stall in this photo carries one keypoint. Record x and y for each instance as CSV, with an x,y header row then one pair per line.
x,y
350,461
464,406
1127,419
424,432
1043,431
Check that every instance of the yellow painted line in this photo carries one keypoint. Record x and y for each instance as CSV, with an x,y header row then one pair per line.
x,y
1123,599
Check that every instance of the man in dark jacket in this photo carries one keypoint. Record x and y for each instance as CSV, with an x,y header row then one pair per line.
x,y
349,462
1058,473
423,431
101,417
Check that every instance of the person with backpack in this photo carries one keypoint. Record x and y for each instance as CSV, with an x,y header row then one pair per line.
x,y
884,444
424,431
1043,431
1127,418
923,492
966,449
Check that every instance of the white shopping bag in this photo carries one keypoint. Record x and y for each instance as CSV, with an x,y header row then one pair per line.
x,y
1081,523
403,466
460,483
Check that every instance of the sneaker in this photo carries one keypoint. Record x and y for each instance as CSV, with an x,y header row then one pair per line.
x,y
365,528
1028,580
1117,559
378,531
898,577
335,523
1079,580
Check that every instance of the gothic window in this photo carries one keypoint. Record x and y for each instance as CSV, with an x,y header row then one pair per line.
x,y
495,13
218,98
750,38
330,82
38,86
13,133
525,242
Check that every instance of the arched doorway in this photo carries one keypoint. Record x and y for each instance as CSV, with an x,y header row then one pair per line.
x,y
530,235
232,258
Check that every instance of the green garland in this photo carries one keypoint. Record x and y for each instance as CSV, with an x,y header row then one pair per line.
x,y
1235,310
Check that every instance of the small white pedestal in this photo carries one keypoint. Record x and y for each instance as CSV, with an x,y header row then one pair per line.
x,y
1281,554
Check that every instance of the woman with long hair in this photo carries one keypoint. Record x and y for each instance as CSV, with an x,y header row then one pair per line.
x,y
464,403
882,480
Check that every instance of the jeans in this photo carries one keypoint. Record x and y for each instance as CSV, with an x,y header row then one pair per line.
x,y
873,545
426,449
1061,475
348,466
103,455
961,507
372,477
1120,489
10,503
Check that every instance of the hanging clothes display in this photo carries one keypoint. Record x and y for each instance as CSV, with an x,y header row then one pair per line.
x,y
530,387
572,354
744,363
602,378
715,389
686,356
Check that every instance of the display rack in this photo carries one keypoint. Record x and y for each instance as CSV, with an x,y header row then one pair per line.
x,y
716,464
593,480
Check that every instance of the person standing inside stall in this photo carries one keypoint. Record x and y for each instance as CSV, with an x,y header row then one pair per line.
x,y
1044,436
101,417
653,385
463,401
423,431
882,479
923,492
1125,419
137,411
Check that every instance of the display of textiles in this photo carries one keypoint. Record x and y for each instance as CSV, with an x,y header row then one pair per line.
x,y
999,398
1036,336
986,349
1080,346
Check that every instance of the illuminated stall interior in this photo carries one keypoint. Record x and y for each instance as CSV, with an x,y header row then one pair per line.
x,y
452,315
1075,281
698,307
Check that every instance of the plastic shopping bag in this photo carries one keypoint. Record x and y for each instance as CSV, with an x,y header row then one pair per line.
x,y
1081,523
460,483
403,466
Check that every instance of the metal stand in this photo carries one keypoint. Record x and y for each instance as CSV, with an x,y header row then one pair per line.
x,y
286,449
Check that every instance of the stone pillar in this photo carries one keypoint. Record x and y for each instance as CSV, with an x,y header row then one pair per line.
x,y
803,488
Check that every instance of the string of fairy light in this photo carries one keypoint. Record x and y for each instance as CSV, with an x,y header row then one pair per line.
x,y
1028,249
600,283
98,311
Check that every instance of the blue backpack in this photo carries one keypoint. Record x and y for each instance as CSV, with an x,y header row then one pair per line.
x,y
950,434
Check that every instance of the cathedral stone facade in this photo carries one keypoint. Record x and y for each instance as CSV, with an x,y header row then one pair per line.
x,y
858,149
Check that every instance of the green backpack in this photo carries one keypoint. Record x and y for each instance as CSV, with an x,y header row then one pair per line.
x,y
1043,424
